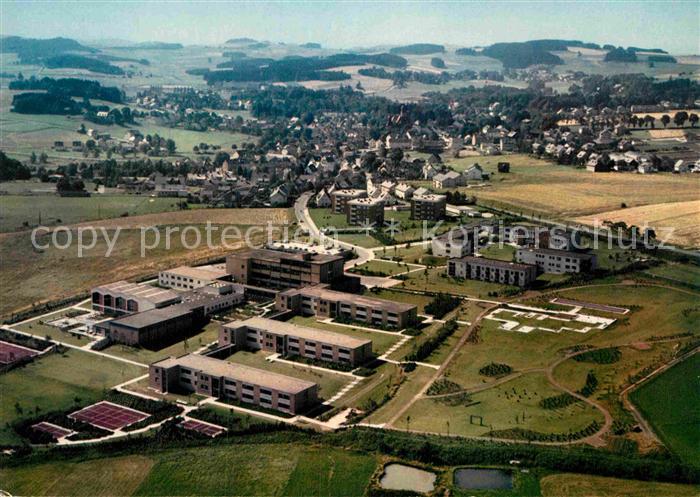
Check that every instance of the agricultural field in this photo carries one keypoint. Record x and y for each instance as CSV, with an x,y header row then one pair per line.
x,y
671,404
381,342
54,382
575,485
21,212
540,187
329,382
510,405
290,469
676,223
54,273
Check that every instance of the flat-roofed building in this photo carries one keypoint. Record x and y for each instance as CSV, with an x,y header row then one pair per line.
x,y
556,261
321,301
213,298
235,382
189,278
493,270
340,199
259,333
365,211
122,297
149,327
429,207
455,243
277,269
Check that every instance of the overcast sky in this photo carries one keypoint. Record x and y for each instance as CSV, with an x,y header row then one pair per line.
x,y
674,26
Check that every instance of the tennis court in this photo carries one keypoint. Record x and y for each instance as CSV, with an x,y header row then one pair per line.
x,y
57,432
208,429
109,416
11,353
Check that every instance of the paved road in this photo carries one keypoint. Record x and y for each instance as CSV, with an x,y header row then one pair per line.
x,y
301,211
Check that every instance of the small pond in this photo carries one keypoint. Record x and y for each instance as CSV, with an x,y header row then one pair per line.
x,y
402,477
483,479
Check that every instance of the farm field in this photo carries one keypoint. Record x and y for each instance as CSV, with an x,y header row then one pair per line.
x,y
503,407
54,381
680,221
381,342
260,469
538,186
575,485
33,276
23,212
329,382
671,404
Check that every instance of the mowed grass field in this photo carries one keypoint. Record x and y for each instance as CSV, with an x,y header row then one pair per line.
x,y
671,404
255,469
535,185
54,381
30,275
674,222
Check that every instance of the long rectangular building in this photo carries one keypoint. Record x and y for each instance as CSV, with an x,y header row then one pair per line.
x,y
277,269
122,297
493,270
319,300
189,278
290,339
229,381
556,261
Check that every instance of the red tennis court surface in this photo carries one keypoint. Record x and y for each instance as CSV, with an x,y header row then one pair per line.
x,y
109,416
205,428
9,352
591,305
54,430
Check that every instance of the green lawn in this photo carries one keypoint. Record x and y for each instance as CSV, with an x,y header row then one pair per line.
x,y
499,407
504,253
255,469
688,274
381,342
326,218
329,382
49,210
383,268
38,327
671,403
438,281
576,485
360,239
408,298
52,382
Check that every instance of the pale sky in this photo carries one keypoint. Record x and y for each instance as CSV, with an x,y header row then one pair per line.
x,y
671,25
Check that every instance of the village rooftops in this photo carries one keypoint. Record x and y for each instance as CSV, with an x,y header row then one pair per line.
x,y
245,374
348,192
279,255
495,263
305,332
150,293
323,292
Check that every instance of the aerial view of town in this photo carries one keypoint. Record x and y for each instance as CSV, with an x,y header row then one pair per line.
x,y
350,249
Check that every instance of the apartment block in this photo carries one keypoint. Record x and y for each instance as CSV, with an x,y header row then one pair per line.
x,y
276,269
235,382
493,270
122,297
189,278
290,339
340,199
323,302
365,211
556,261
456,243
429,207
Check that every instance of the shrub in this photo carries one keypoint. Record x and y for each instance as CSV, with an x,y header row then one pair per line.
x,y
600,356
441,304
495,369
